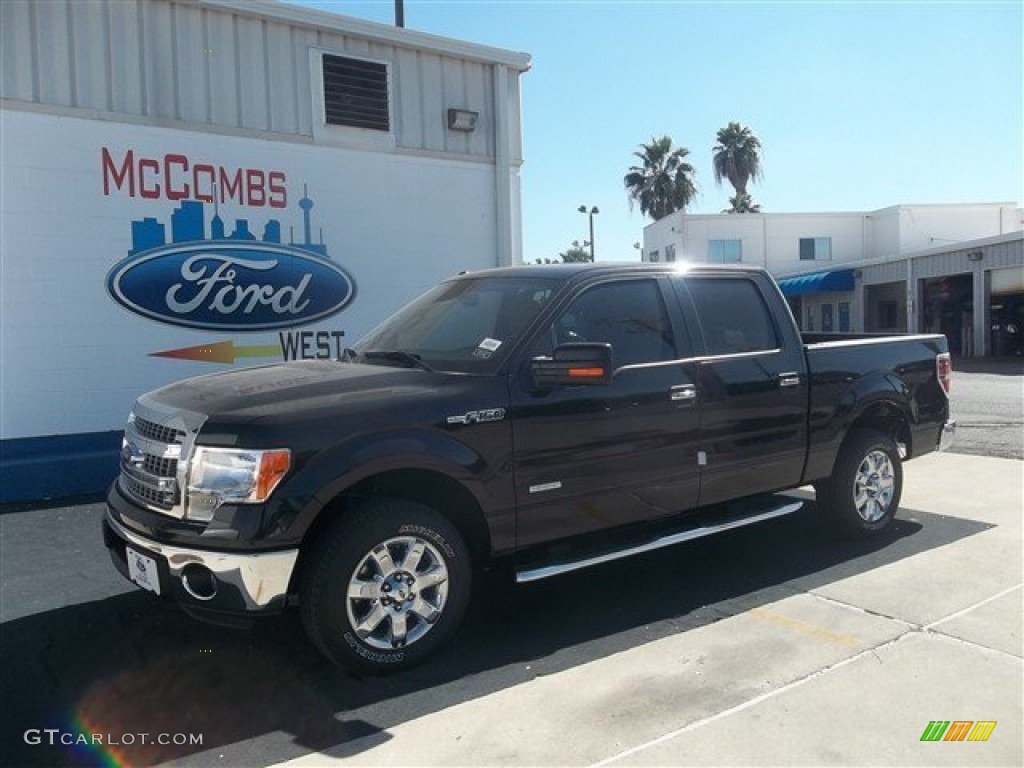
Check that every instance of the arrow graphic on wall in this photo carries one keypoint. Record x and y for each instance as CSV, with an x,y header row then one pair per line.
x,y
220,352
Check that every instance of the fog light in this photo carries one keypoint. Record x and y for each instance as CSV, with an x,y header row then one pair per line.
x,y
199,581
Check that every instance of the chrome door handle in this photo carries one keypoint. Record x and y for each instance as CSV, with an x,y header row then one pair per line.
x,y
789,379
683,393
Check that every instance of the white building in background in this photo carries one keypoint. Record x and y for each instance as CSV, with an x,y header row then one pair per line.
x,y
952,269
193,185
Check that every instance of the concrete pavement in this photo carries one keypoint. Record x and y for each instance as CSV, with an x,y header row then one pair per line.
x,y
849,672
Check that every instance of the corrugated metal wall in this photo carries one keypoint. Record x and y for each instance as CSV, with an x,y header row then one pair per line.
x,y
885,273
184,61
1009,253
1006,254
889,281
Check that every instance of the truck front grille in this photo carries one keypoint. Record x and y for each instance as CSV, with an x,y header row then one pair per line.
x,y
150,497
158,432
150,461
160,467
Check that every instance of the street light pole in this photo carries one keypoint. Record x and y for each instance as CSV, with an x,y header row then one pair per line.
x,y
590,213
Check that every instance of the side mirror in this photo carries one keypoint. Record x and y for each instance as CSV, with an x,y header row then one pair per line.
x,y
573,364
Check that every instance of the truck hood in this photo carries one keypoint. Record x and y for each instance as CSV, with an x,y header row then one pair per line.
x,y
253,392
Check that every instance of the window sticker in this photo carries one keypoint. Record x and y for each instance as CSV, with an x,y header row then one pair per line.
x,y
491,345
487,348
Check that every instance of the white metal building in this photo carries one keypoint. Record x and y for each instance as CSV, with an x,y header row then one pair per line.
x,y
954,269
189,185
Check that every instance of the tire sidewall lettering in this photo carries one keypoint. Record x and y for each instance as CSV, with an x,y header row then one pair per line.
x,y
375,656
431,535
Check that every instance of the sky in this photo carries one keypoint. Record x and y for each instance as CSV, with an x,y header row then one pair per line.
x,y
858,106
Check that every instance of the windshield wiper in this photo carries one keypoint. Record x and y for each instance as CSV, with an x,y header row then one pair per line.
x,y
399,355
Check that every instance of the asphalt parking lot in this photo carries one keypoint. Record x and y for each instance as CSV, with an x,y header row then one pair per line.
x,y
777,644
988,403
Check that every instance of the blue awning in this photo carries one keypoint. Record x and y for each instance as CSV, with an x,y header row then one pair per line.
x,y
818,282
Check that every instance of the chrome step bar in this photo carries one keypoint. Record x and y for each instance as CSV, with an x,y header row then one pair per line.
x,y
557,569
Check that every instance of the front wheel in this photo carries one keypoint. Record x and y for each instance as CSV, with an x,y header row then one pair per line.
x,y
864,491
386,586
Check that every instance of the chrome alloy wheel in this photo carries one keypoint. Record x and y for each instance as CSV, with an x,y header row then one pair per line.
x,y
397,592
873,486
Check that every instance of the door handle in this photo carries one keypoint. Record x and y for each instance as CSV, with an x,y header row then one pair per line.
x,y
683,393
789,379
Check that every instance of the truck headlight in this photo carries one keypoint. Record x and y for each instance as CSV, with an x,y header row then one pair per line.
x,y
232,476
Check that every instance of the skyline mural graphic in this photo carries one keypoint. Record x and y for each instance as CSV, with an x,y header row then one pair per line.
x,y
188,225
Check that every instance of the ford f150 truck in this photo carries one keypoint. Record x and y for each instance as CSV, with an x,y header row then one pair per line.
x,y
551,417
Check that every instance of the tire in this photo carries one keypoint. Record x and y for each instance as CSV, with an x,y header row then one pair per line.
x,y
386,586
863,494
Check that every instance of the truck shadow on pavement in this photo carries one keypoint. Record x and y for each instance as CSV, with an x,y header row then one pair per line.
x,y
131,664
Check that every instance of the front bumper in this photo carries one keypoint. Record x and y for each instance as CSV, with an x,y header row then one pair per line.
x,y
208,582
947,435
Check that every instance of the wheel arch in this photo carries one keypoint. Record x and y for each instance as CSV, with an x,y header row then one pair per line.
x,y
890,419
891,416
430,487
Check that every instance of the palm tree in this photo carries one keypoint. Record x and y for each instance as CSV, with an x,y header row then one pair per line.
x,y
664,183
737,157
576,253
742,204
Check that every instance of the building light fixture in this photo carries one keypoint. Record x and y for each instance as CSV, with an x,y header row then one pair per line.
x,y
975,255
462,120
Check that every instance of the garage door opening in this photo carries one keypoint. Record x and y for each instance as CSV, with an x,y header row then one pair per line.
x,y
947,308
1006,312
885,308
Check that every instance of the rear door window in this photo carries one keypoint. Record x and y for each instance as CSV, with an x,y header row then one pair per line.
x,y
733,315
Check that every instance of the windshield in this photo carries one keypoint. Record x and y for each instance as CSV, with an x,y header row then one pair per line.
x,y
466,325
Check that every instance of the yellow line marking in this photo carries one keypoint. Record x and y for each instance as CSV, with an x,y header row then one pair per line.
x,y
804,628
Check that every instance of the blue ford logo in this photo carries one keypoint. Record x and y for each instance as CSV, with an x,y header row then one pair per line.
x,y
131,454
236,286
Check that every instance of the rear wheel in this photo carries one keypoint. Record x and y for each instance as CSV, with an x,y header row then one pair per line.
x,y
386,586
864,491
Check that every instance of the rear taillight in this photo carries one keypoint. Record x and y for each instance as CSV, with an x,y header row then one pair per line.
x,y
944,371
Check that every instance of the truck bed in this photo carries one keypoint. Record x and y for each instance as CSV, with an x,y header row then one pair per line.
x,y
845,367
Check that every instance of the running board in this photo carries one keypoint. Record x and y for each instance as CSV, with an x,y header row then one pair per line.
x,y
786,507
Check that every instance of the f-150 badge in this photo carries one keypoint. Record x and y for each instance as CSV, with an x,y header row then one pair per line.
x,y
478,417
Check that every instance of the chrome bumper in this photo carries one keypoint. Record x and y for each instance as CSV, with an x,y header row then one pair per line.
x,y
947,435
248,582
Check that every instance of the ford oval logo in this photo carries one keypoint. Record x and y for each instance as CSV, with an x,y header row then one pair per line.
x,y
230,286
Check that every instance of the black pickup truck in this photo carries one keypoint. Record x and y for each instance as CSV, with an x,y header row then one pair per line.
x,y
551,417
